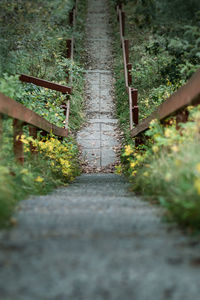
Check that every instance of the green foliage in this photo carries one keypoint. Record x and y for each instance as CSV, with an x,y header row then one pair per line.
x,y
37,32
11,86
36,45
55,164
147,12
164,54
168,168
45,102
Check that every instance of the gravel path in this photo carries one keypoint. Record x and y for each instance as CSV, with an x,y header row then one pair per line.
x,y
96,240
98,139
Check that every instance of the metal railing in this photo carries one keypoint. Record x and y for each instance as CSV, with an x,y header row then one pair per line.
x,y
189,94
23,116
132,92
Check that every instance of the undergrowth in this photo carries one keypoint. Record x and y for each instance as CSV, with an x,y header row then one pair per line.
x,y
36,45
167,168
164,53
54,163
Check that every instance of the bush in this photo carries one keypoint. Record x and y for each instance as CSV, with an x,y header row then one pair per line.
x,y
168,168
55,164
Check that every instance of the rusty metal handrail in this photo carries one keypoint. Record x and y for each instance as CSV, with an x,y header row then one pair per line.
x,y
53,86
132,93
46,84
70,55
188,94
18,111
121,28
24,116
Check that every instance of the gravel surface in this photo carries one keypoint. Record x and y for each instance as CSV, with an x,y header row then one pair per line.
x,y
96,240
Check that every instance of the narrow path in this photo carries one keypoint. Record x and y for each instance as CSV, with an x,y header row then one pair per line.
x,y
95,240
98,137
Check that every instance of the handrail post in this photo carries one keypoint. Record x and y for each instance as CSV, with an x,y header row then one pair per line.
x,y
17,143
120,4
76,5
69,55
74,17
123,22
71,17
1,128
69,48
67,115
126,45
129,68
135,112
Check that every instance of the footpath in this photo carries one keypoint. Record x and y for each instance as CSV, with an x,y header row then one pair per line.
x,y
95,240
98,138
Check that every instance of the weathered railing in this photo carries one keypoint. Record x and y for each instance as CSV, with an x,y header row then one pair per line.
x,y
132,92
52,86
23,116
189,94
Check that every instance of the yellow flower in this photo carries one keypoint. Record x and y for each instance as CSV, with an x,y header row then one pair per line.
x,y
39,179
23,139
197,185
24,171
26,149
168,82
146,174
128,150
134,173
155,149
133,164
153,122
50,147
178,163
174,148
138,156
190,107
118,170
172,122
198,167
167,132
157,135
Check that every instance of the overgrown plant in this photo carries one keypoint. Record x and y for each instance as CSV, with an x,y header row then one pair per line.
x,y
54,163
164,54
36,45
167,168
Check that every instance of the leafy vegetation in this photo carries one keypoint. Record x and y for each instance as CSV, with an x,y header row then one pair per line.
x,y
37,32
164,51
54,164
33,41
164,48
167,168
